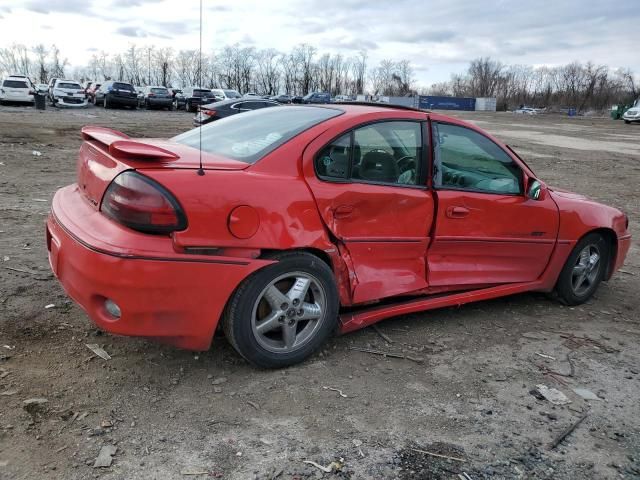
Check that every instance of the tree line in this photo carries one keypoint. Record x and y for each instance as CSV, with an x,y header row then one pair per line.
x,y
304,69
242,68
584,86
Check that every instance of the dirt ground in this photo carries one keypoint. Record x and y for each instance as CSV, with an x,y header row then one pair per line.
x,y
173,414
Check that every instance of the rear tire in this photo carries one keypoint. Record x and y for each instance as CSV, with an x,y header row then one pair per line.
x,y
584,270
105,102
282,313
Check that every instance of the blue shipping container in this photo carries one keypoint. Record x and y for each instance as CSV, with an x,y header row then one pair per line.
x,y
429,102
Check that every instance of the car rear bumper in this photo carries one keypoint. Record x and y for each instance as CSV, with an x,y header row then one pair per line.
x,y
126,101
160,102
17,98
168,296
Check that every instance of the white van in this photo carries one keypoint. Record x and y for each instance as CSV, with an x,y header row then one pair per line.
x,y
16,89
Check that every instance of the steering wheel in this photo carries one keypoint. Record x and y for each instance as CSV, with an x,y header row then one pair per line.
x,y
406,163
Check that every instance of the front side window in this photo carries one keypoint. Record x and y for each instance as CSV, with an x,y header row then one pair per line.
x,y
384,152
467,160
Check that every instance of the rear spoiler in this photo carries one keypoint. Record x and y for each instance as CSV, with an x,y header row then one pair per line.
x,y
120,145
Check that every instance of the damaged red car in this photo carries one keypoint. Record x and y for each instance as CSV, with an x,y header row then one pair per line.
x,y
284,225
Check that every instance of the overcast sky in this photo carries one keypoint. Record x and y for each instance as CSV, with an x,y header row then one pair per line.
x,y
437,36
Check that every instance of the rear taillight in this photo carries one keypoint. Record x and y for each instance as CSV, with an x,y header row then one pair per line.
x,y
142,204
209,113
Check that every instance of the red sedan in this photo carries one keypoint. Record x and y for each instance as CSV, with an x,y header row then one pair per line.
x,y
283,225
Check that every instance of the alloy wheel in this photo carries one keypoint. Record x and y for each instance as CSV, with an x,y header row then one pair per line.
x,y
585,271
288,312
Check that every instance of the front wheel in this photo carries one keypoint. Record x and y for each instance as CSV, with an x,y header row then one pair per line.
x,y
627,122
281,314
584,270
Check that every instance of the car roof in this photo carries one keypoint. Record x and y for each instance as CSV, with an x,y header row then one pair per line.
x,y
373,107
229,101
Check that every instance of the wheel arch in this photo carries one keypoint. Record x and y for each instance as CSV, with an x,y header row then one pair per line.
x,y
611,238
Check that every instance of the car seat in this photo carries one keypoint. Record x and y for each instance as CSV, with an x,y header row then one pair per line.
x,y
379,166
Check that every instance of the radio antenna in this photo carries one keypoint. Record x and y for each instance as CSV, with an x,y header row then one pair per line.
x,y
200,170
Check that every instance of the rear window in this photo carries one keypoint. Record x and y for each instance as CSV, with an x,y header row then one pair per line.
x,y
123,86
160,90
14,84
232,94
75,86
201,93
250,136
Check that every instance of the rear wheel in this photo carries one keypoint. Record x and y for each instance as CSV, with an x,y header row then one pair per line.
x,y
106,103
627,122
584,270
281,314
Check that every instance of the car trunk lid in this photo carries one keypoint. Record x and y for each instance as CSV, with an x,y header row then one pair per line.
x,y
105,153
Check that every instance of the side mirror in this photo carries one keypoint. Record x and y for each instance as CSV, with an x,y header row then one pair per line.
x,y
536,190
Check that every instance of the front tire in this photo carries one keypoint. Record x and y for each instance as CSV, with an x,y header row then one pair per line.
x,y
282,313
627,122
584,270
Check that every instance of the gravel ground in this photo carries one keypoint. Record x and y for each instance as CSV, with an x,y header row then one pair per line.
x,y
173,414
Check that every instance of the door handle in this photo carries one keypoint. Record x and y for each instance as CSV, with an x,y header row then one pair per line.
x,y
457,212
343,211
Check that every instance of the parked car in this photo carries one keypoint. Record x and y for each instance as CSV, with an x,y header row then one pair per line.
x,y
215,111
283,98
285,224
194,96
156,97
633,113
251,94
342,98
526,111
297,99
225,94
16,89
68,93
317,97
116,94
91,92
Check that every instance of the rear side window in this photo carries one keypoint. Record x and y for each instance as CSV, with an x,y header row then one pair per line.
x,y
388,152
14,84
252,135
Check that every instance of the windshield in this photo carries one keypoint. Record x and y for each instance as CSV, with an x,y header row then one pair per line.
x,y
232,94
250,136
73,86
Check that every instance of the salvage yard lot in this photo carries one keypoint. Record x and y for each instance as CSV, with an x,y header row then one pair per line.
x,y
465,392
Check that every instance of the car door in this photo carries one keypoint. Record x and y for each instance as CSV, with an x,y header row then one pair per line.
x,y
487,230
369,186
